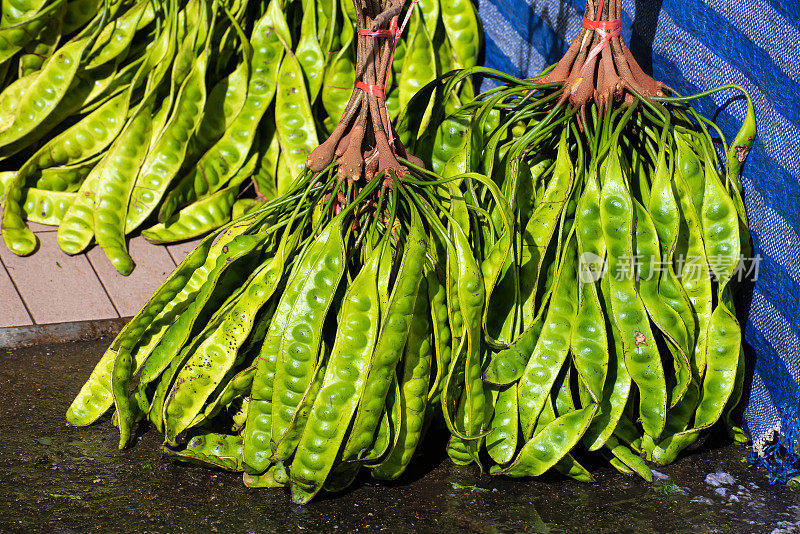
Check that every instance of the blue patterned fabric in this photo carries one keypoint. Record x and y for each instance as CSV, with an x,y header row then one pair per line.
x,y
694,45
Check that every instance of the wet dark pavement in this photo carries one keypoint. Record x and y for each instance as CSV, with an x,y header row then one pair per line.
x,y
57,478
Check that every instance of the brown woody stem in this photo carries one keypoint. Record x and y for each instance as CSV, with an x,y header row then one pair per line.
x,y
360,141
608,76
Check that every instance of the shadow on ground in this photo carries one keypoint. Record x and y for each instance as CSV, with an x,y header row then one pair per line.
x,y
57,478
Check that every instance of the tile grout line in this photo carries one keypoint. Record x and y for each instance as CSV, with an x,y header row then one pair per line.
x,y
19,294
171,257
105,290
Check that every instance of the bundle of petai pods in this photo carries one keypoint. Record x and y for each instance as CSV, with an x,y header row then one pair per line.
x,y
559,281
326,330
177,116
613,327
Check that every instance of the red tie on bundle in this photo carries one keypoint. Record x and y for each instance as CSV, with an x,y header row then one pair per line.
x,y
395,33
606,29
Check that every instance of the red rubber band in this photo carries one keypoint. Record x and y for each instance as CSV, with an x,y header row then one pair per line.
x,y
395,33
606,29
408,16
374,90
595,25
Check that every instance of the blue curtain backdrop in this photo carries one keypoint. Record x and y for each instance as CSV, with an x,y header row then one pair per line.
x,y
694,45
